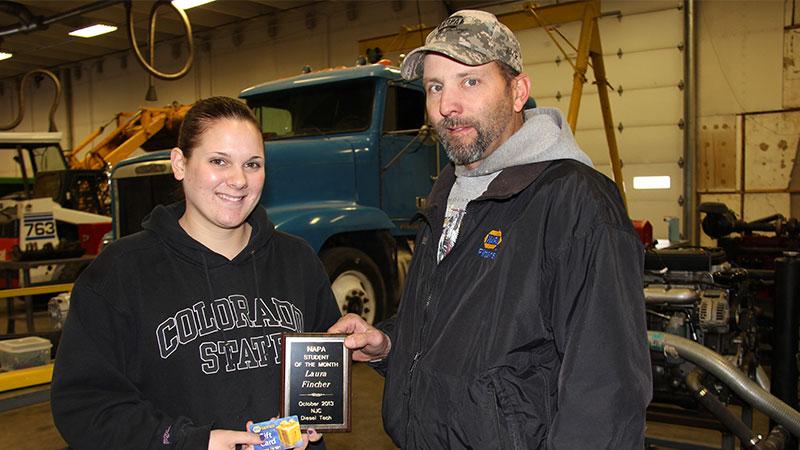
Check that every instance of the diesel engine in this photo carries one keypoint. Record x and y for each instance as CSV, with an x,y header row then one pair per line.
x,y
696,294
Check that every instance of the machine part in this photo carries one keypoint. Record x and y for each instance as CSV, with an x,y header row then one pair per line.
x,y
714,311
785,336
684,258
731,376
762,378
720,221
58,307
21,99
187,26
663,293
676,323
777,437
148,128
356,282
718,409
776,440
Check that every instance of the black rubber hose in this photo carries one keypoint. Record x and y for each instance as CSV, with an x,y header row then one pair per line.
x,y
729,374
775,441
718,410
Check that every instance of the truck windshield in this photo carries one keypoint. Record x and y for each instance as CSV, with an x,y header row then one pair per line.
x,y
331,108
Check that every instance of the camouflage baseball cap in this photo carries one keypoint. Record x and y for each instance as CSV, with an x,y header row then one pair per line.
x,y
470,37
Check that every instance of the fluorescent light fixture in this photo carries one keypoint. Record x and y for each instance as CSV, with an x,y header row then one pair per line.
x,y
660,182
186,4
4,55
94,30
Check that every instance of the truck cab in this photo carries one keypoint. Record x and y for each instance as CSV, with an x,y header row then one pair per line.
x,y
349,162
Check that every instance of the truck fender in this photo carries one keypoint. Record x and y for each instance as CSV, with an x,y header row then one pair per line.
x,y
317,223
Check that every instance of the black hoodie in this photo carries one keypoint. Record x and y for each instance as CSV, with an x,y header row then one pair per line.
x,y
166,339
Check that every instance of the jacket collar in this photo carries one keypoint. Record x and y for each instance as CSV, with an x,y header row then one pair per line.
x,y
511,181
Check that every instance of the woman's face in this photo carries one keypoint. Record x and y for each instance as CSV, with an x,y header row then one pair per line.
x,y
223,177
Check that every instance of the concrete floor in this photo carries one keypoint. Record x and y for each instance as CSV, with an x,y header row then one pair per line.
x,y
31,427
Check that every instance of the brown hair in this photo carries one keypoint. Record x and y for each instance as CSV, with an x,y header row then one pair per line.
x,y
204,113
507,72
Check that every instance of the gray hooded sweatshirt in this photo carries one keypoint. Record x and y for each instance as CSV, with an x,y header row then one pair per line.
x,y
544,136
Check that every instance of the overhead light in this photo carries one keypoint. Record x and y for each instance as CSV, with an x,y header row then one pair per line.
x,y
4,55
186,4
660,182
94,30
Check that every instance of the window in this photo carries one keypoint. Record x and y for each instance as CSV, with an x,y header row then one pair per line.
x,y
49,158
405,109
316,110
659,182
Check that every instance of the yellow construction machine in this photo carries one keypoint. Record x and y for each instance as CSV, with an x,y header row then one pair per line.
x,y
151,128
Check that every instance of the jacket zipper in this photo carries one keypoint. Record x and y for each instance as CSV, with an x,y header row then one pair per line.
x,y
423,329
415,358
414,363
417,354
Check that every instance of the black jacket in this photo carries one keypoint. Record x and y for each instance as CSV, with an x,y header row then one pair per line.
x,y
530,333
166,340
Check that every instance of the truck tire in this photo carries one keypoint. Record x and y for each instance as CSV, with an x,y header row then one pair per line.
x,y
403,263
356,282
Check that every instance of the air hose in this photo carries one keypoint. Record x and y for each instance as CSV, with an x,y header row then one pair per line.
x,y
153,14
751,440
729,374
21,99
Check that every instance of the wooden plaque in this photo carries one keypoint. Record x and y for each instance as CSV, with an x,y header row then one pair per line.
x,y
315,380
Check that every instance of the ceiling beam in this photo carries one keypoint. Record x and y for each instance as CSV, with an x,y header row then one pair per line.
x,y
283,5
237,9
33,61
27,44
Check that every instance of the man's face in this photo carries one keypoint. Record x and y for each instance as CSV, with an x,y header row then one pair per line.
x,y
471,107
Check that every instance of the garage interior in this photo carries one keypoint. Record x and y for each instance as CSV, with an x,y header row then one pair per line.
x,y
692,107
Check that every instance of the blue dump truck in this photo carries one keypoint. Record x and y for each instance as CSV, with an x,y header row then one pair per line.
x,y
349,162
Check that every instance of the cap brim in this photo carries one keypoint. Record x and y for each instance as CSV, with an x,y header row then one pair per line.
x,y
411,67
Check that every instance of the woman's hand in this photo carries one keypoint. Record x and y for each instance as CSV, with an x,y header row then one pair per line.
x,y
229,439
310,435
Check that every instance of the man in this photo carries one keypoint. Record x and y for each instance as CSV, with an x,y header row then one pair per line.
x,y
522,322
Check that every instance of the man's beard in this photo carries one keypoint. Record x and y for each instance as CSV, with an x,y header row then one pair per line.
x,y
487,133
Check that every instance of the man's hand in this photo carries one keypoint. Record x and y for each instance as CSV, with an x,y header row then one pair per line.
x,y
229,439
368,342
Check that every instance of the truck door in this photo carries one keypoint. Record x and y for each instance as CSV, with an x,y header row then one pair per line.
x,y
408,158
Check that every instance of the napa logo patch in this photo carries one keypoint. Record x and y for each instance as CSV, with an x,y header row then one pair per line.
x,y
490,245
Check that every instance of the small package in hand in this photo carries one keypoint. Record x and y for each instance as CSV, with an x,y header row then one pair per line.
x,y
279,434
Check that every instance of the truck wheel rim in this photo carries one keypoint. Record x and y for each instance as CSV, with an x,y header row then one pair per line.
x,y
355,294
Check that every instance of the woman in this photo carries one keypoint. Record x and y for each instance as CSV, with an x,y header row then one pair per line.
x,y
173,337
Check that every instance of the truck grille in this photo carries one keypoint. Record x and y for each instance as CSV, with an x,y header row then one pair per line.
x,y
140,195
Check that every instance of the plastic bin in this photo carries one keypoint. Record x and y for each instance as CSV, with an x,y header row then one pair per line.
x,y
24,352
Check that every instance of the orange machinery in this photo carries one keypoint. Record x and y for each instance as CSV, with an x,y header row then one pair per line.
x,y
143,127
